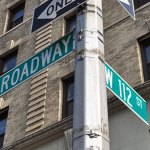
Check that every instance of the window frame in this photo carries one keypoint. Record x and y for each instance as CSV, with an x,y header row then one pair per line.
x,y
19,6
72,16
67,19
4,114
142,41
66,83
5,56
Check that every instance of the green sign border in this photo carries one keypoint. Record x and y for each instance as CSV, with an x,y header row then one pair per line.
x,y
57,48
142,114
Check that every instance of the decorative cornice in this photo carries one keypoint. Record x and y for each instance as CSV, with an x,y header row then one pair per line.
x,y
50,132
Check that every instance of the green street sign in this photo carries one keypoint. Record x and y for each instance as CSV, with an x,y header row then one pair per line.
x,y
36,63
126,93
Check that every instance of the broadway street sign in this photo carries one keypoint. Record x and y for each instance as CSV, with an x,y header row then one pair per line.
x,y
37,63
51,10
128,5
126,93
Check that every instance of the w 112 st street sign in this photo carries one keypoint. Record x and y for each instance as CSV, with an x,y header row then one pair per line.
x,y
126,93
51,10
36,63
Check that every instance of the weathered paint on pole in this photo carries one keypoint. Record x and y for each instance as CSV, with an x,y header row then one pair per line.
x,y
90,117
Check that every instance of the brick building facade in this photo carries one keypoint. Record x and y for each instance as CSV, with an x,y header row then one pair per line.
x,y
37,114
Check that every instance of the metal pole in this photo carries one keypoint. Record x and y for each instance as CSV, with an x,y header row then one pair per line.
x,y
90,119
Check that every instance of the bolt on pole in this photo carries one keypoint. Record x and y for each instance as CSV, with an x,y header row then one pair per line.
x,y
90,118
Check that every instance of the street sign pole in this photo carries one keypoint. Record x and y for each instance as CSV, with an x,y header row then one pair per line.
x,y
90,117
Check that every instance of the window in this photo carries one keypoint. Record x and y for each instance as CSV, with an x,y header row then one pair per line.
x,y
145,46
8,62
68,96
16,16
139,3
3,120
71,26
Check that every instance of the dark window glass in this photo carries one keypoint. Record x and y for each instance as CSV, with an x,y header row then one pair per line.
x,y
71,26
3,120
145,49
71,23
68,97
2,126
8,62
139,3
16,16
1,140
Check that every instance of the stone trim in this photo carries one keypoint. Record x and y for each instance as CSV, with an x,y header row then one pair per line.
x,y
38,88
51,132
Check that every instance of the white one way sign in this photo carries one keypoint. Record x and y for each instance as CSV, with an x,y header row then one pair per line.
x,y
51,10
128,6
